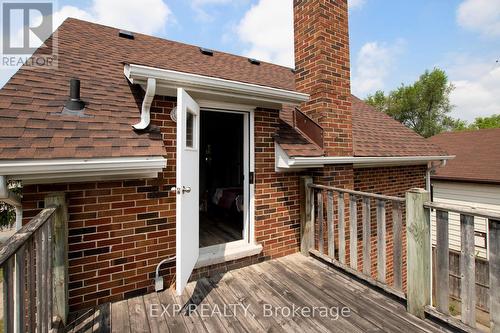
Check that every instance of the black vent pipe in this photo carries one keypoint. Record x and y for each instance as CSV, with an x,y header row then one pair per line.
x,y
74,103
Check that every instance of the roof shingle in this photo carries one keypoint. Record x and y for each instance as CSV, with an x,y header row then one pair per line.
x,y
32,126
477,155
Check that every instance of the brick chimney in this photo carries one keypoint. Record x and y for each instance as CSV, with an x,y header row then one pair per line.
x,y
323,69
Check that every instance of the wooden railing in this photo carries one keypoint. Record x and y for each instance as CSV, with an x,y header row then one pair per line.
x,y
345,219
34,263
418,247
467,263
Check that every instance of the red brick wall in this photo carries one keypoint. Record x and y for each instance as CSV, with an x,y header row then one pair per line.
x,y
120,230
323,69
393,181
277,206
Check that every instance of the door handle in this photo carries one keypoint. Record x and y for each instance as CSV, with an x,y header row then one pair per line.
x,y
186,189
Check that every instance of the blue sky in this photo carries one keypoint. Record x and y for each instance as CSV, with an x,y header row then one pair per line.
x,y
392,42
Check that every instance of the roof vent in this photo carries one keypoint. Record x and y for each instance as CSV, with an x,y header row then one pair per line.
x,y
254,61
74,103
207,52
126,34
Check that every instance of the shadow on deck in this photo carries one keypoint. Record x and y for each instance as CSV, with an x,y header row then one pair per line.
x,y
294,293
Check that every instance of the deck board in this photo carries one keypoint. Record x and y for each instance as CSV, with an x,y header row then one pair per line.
x,y
234,302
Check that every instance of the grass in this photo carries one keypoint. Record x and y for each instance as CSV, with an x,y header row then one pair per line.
x,y
1,325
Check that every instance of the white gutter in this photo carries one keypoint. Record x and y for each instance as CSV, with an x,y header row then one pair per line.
x,y
146,105
165,78
283,161
75,170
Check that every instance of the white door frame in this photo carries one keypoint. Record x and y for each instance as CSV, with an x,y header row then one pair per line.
x,y
248,168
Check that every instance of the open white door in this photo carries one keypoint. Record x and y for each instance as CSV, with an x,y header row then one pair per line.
x,y
187,188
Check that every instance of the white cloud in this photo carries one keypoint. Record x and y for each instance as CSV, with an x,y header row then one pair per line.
x,y
354,4
267,28
201,12
477,88
204,9
480,15
145,16
373,65
70,11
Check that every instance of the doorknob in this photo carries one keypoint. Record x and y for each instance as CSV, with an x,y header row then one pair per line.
x,y
186,189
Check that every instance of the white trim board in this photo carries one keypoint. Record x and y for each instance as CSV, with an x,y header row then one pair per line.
x,y
220,253
78,170
285,162
217,88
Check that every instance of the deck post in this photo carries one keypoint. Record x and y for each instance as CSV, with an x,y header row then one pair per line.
x,y
60,255
494,230
306,215
418,252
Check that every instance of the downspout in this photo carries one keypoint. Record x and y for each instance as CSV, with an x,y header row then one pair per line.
x,y
13,199
431,167
146,105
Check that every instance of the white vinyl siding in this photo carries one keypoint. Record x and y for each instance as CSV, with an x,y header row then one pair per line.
x,y
481,196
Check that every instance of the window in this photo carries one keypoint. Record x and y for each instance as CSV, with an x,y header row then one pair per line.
x,y
189,130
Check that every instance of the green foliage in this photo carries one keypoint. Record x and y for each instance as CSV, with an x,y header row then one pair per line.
x,y
7,212
423,106
485,122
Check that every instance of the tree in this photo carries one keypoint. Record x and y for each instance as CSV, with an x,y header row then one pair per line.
x,y
423,106
486,122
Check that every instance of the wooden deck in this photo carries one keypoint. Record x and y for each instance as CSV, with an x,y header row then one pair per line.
x,y
259,298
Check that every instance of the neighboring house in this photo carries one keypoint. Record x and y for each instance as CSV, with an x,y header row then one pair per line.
x,y
221,130
471,179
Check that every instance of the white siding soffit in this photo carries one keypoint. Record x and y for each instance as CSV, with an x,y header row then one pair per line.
x,y
285,162
60,170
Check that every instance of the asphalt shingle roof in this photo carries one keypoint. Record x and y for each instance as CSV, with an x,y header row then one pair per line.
x,y
477,155
32,127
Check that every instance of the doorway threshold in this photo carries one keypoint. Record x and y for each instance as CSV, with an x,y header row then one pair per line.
x,y
220,253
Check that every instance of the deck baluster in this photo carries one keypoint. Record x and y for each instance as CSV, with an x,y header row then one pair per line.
x,y
353,232
341,213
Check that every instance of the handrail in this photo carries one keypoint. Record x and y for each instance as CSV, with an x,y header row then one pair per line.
x,y
17,240
463,210
357,193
